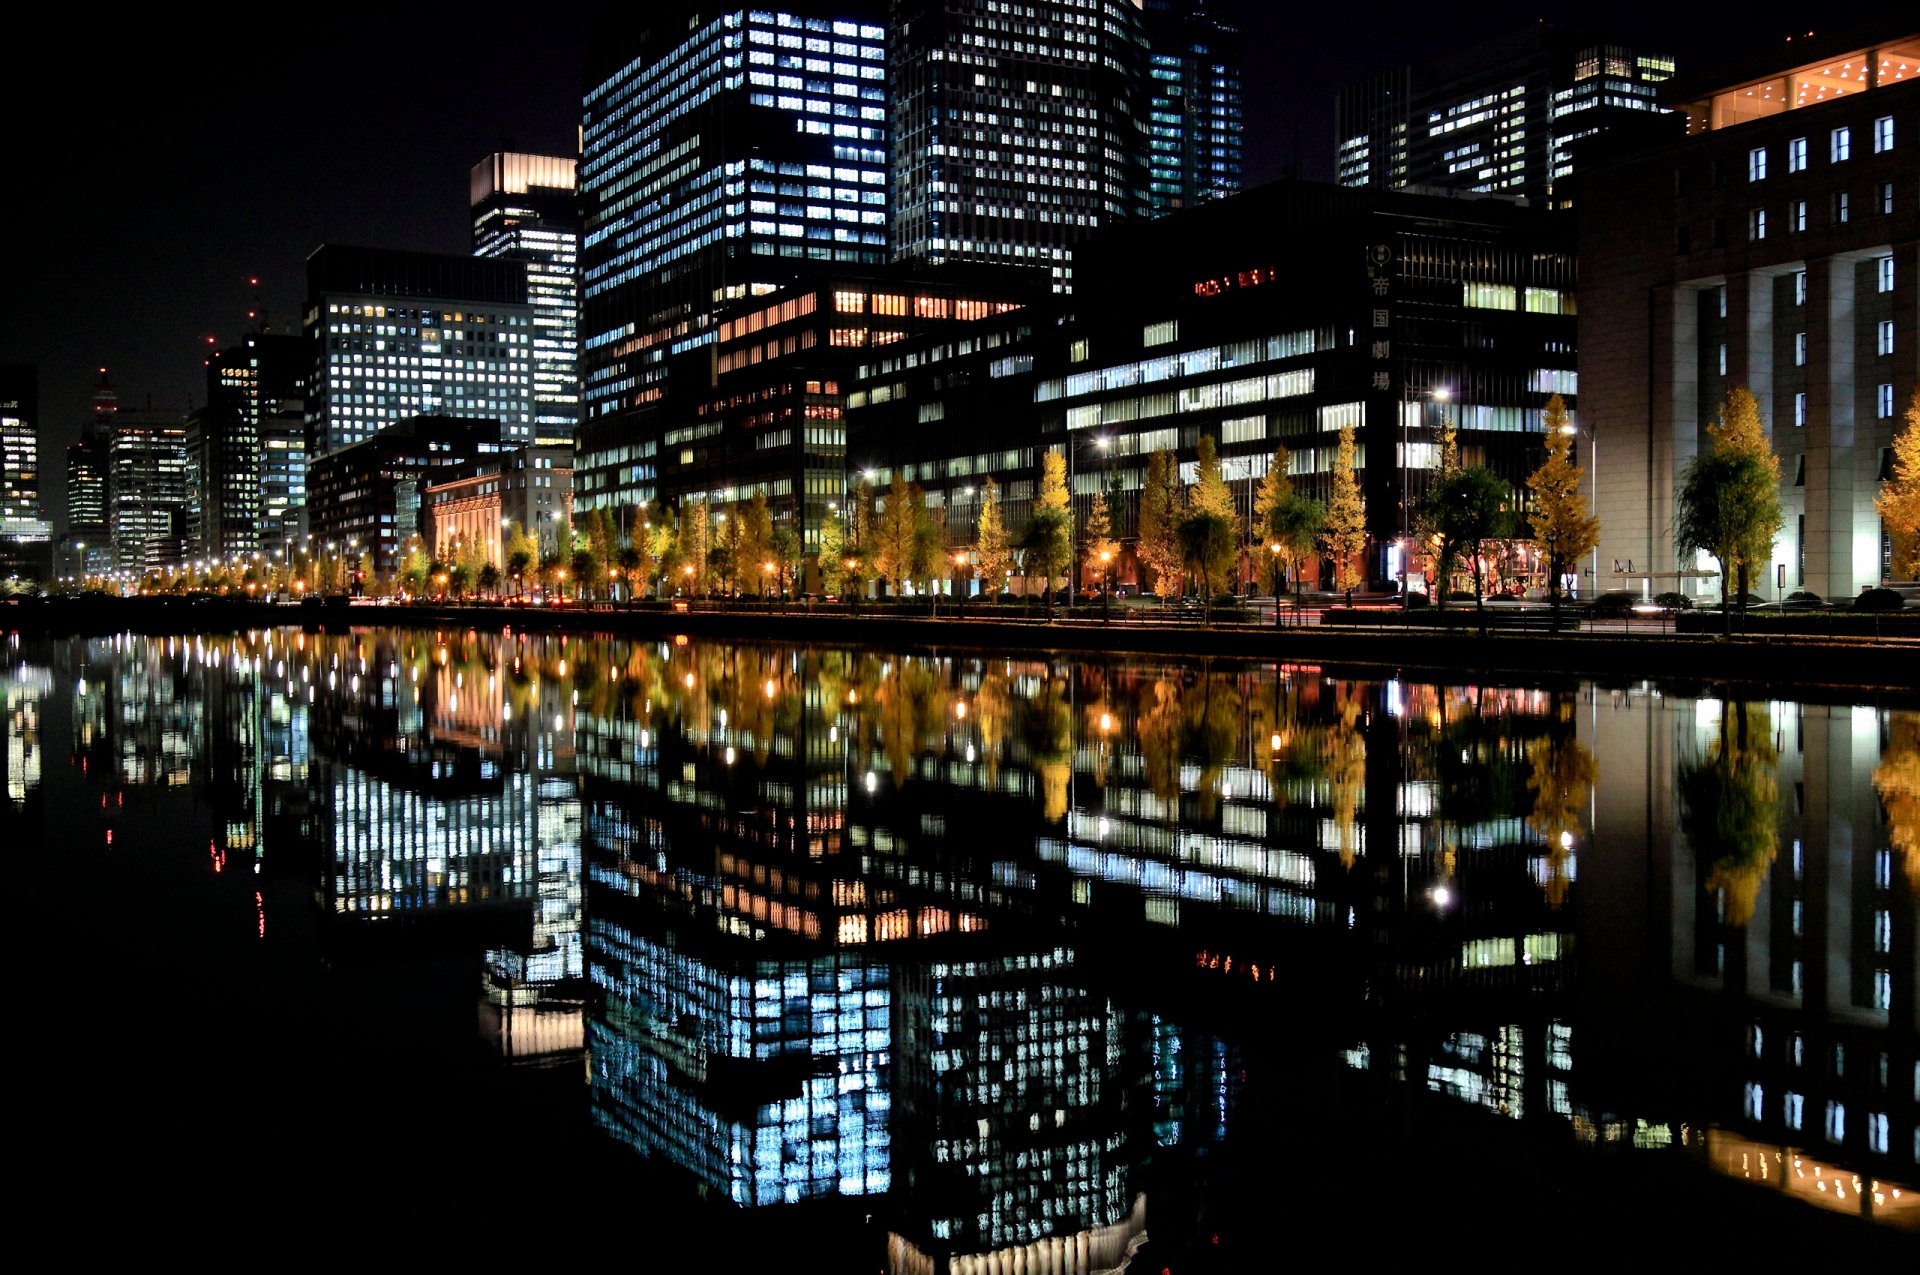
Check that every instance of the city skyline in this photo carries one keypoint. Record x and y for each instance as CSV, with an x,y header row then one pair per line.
x,y
385,167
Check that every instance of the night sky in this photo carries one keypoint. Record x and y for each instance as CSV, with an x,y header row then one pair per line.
x,y
157,163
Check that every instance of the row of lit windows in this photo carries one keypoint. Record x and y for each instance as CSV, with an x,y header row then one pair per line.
x,y
1840,206
1839,149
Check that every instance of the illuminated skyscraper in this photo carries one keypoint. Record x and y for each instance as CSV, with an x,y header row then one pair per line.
x,y
1018,129
1193,104
19,444
401,334
1500,118
87,546
722,154
243,467
147,488
524,209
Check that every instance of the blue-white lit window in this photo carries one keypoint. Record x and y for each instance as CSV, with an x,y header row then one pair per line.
x,y
1883,275
1841,147
1883,337
1883,134
1757,164
1883,401
1796,154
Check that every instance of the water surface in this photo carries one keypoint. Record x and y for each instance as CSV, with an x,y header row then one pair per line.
x,y
967,962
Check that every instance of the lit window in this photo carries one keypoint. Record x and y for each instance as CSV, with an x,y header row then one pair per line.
x,y
1160,333
1883,275
850,302
1883,134
1883,401
1799,349
1799,222
1842,147
1796,154
1840,207
1886,199
1836,1122
1723,358
1884,344
1800,409
1757,164
1757,224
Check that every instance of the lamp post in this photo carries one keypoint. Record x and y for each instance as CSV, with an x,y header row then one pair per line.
x,y
959,564
1593,465
1073,451
1440,394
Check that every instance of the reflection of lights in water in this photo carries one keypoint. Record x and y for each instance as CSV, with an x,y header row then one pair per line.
x,y
1442,896
873,781
729,754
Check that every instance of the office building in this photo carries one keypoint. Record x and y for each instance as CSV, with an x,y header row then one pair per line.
x,y
87,547
147,489
365,496
399,334
1502,118
244,469
479,504
1774,248
19,444
1018,130
768,417
722,155
1193,104
524,209
1275,317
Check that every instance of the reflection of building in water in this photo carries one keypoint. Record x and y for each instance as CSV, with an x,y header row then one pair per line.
x,y
779,969
1794,924
1013,1107
24,689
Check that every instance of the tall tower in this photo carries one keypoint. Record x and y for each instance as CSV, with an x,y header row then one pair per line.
x,y
1193,104
1500,118
247,450
524,209
19,444
724,152
719,160
1018,129
87,462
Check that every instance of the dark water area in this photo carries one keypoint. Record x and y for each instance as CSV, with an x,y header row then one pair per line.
x,y
715,954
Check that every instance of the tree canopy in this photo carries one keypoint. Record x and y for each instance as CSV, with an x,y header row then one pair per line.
x,y
1343,533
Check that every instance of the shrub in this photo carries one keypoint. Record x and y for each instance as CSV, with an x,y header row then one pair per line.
x,y
1616,602
1878,600
1673,601
1459,595
1418,601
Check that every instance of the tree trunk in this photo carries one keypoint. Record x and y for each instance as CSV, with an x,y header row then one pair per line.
x,y
1553,591
1743,598
1726,608
1479,591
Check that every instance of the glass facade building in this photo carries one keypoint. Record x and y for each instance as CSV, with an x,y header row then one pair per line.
x,y
720,156
147,489
1193,104
1018,129
246,449
1502,118
19,444
398,334
524,210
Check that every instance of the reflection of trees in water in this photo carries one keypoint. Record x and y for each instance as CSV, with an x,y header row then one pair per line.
x,y
1897,780
1730,806
1562,778
1046,724
1343,760
1211,718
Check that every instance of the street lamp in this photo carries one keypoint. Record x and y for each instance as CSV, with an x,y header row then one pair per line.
x,y
1593,466
1106,592
1439,394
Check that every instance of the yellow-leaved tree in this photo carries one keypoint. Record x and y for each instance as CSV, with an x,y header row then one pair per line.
x,y
1899,497
1343,534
